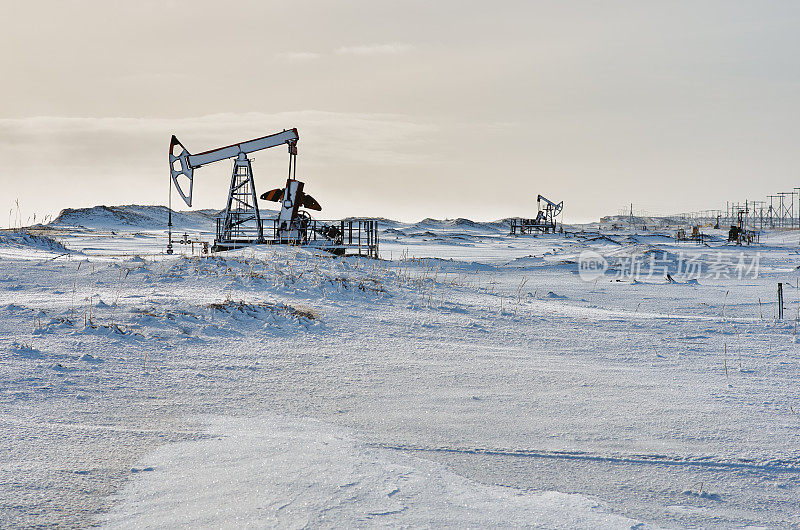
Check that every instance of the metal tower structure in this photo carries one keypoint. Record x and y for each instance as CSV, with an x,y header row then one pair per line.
x,y
796,191
772,214
242,219
786,208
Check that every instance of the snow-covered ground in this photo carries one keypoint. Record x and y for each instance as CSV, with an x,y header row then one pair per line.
x,y
468,378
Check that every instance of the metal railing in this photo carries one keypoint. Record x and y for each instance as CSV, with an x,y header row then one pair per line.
x,y
520,226
342,237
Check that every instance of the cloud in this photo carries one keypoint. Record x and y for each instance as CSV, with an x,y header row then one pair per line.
x,y
51,163
395,48
297,57
330,137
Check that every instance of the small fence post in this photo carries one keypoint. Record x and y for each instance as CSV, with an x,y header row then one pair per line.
x,y
780,301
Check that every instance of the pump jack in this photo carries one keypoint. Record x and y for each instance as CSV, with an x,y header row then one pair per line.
x,y
242,218
241,223
546,218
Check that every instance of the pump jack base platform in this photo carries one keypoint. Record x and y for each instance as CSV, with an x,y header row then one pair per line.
x,y
351,237
336,250
521,226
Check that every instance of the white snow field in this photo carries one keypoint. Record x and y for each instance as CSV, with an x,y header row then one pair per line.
x,y
466,379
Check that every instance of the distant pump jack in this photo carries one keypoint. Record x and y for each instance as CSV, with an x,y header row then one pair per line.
x,y
545,221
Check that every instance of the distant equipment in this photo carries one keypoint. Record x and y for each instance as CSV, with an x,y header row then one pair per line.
x,y
739,233
697,235
545,221
241,222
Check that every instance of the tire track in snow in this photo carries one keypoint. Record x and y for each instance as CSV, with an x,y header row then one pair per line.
x,y
541,307
772,466
93,427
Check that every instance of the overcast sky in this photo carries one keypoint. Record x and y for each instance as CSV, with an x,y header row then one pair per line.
x,y
406,109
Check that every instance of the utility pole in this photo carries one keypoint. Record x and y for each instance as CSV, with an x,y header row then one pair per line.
x,y
169,218
797,191
771,211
